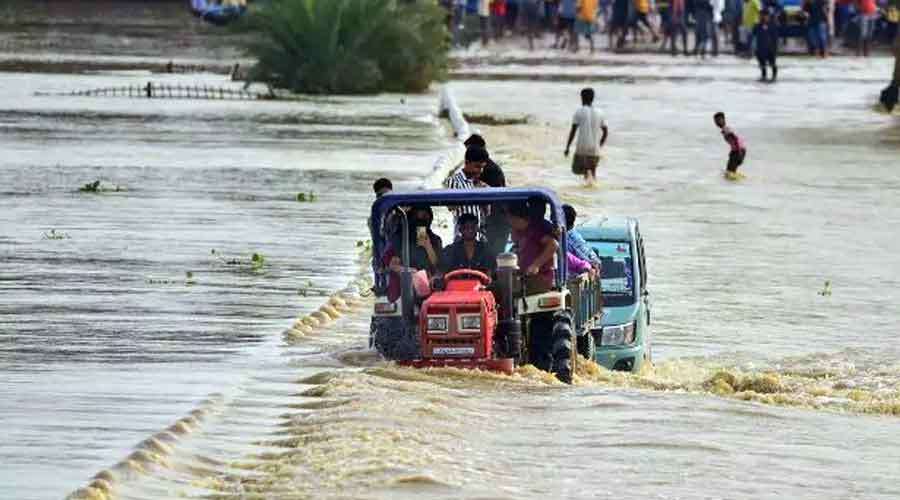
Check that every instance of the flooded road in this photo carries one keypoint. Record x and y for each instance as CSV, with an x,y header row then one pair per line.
x,y
106,337
123,378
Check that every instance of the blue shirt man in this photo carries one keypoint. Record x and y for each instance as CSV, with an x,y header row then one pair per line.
x,y
575,242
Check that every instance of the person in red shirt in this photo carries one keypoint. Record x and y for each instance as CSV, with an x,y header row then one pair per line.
x,y
536,247
868,14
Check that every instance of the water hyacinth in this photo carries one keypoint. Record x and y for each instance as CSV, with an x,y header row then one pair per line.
x,y
347,46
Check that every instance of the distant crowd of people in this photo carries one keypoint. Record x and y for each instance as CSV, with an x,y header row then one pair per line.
x,y
668,21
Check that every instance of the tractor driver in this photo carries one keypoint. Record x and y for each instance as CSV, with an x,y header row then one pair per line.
x,y
467,252
536,247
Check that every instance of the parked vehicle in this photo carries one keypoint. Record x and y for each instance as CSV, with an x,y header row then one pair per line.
x,y
791,19
475,320
219,12
623,339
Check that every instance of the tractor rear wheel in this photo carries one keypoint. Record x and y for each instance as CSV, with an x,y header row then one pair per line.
x,y
395,340
562,348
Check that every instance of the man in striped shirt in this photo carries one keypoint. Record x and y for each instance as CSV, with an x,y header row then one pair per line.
x,y
469,178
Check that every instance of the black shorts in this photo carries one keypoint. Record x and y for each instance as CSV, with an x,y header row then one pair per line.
x,y
584,163
735,160
566,24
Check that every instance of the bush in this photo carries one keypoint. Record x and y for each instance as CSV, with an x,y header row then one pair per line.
x,y
347,46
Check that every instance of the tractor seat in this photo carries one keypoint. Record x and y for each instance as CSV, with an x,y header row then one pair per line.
x,y
463,286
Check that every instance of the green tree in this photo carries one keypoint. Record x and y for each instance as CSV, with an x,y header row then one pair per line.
x,y
348,46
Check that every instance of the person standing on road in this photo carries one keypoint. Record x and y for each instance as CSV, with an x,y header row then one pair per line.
x,y
641,11
588,124
678,26
618,24
703,18
817,26
565,28
586,21
749,20
765,36
868,14
718,8
484,20
532,10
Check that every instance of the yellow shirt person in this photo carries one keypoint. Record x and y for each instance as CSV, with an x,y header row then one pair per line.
x,y
587,10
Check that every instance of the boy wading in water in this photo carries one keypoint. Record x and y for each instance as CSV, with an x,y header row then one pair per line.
x,y
588,123
738,149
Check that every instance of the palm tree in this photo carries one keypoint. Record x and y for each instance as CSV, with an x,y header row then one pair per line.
x,y
348,46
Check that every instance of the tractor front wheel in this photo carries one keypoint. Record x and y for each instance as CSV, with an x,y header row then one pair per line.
x,y
394,339
587,346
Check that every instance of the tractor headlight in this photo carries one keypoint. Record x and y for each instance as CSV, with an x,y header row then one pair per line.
x,y
437,323
618,334
470,322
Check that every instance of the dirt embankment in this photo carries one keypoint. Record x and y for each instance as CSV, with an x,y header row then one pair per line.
x,y
163,29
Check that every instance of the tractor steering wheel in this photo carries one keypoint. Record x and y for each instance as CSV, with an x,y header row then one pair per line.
x,y
483,278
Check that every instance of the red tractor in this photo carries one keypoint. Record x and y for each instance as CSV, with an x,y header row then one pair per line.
x,y
474,321
457,325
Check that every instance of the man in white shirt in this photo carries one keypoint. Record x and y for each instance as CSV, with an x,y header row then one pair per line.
x,y
588,123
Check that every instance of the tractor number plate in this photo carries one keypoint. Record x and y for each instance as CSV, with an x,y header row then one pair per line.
x,y
454,351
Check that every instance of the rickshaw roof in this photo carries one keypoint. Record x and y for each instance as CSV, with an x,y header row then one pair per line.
x,y
609,228
444,197
450,197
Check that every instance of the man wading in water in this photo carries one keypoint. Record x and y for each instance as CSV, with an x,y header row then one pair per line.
x,y
588,124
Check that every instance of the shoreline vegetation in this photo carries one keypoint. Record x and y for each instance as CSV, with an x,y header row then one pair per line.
x,y
346,46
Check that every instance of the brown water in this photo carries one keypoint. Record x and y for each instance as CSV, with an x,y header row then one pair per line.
x,y
762,388
104,339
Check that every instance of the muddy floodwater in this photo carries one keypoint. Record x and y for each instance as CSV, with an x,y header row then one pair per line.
x,y
138,363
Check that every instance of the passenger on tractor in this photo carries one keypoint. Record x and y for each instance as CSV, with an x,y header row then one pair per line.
x,y
468,252
536,246
577,266
579,257
575,243
495,227
469,177
424,246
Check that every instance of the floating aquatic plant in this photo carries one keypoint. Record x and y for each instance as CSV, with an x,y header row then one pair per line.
x,y
90,187
487,119
53,234
307,197
256,261
98,187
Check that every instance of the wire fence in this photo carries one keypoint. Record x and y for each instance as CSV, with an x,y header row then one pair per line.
x,y
164,91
